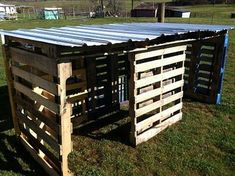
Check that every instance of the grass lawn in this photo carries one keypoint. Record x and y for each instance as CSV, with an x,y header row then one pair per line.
x,y
203,143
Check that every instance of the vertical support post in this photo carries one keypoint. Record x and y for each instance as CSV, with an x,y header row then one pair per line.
x,y
132,95
64,72
91,84
161,12
222,68
193,66
9,77
113,69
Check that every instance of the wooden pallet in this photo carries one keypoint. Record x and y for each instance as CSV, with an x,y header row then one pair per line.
x,y
156,90
204,73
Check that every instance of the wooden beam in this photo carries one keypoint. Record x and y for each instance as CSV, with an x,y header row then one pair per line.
x,y
132,95
161,12
64,72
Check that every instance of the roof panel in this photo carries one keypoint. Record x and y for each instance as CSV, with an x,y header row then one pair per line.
x,y
95,35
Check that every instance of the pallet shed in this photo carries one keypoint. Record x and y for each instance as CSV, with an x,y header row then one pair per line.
x,y
60,77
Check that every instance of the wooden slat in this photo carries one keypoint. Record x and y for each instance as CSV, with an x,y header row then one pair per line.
x,y
207,59
159,52
156,78
172,98
77,97
204,75
155,92
41,133
76,86
159,63
102,69
40,160
38,61
172,86
155,105
148,95
157,129
203,82
34,79
102,77
143,125
207,51
205,67
36,97
78,120
80,72
30,108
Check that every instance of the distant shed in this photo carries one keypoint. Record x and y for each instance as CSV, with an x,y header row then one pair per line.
x,y
176,12
8,11
146,9
52,13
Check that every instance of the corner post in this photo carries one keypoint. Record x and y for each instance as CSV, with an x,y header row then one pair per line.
x,y
64,72
10,84
161,12
132,95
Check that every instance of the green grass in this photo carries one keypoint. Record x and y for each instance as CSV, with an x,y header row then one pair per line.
x,y
203,143
217,11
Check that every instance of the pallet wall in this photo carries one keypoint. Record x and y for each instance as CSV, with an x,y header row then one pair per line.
x,y
41,114
205,69
52,92
156,90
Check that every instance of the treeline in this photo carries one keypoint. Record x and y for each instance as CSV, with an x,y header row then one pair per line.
x,y
194,2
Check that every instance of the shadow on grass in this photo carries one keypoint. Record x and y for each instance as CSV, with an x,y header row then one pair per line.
x,y
5,110
114,127
13,157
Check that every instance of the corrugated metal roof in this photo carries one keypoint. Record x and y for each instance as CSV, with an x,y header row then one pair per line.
x,y
95,35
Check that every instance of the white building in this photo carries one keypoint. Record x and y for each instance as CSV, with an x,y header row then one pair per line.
x,y
176,12
8,11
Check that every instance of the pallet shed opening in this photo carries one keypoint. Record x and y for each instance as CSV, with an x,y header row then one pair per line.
x,y
60,77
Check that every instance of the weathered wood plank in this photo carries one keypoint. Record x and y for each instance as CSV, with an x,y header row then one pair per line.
x,y
160,52
79,72
34,79
157,129
143,125
36,97
43,63
77,97
159,63
155,92
156,78
76,86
